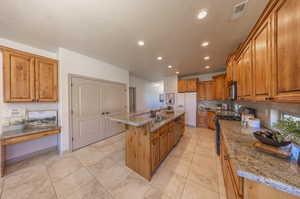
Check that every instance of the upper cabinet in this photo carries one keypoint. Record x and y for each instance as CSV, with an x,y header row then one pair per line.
x,y
220,85
206,90
267,63
286,60
29,78
262,62
46,80
187,85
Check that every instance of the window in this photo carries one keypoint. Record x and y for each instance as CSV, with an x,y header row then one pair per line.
x,y
285,116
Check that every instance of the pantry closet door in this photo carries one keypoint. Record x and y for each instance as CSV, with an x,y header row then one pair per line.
x,y
87,120
113,102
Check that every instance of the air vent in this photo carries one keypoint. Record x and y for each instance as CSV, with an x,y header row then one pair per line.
x,y
239,9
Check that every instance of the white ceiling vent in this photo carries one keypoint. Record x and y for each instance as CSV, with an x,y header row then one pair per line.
x,y
239,10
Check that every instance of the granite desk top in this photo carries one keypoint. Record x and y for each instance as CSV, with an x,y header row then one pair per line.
x,y
140,119
258,166
26,131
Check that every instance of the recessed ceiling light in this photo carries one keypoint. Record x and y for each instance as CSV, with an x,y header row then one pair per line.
x,y
159,58
141,43
207,67
177,72
206,58
170,66
204,44
202,14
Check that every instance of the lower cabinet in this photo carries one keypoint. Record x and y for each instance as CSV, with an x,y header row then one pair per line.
x,y
211,120
237,187
155,155
232,182
163,144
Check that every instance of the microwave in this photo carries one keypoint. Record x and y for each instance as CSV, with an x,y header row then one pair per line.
x,y
233,91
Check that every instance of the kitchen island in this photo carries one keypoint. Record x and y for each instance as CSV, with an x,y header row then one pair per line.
x,y
251,174
148,141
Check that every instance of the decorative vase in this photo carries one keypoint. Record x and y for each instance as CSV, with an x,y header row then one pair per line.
x,y
295,153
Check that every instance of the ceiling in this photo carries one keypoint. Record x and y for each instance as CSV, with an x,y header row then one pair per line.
x,y
109,30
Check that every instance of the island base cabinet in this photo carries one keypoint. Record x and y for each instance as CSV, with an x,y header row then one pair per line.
x,y
254,190
155,156
138,156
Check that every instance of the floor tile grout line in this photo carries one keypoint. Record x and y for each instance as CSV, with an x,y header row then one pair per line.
x,y
106,189
51,182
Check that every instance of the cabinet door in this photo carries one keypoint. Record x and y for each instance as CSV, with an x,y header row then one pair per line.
x,y
191,85
182,86
210,90
201,91
46,80
163,145
286,60
220,87
239,77
155,154
202,119
247,73
211,120
18,77
262,63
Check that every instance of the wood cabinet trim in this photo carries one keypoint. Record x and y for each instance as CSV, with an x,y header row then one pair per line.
x,y
4,48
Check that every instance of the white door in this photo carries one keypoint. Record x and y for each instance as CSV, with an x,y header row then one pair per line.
x,y
87,119
190,107
113,102
91,101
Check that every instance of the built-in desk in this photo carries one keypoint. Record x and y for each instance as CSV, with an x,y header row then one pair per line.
x,y
23,135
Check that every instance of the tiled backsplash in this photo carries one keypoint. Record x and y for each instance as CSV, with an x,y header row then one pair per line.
x,y
212,104
271,112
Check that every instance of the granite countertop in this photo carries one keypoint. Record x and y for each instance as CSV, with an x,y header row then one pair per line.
x,y
26,131
258,166
140,119
169,118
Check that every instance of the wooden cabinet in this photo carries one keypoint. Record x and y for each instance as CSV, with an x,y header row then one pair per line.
x,y
202,119
210,87
201,93
220,86
187,85
267,63
182,86
18,76
155,154
233,183
262,62
29,78
163,144
206,90
171,137
192,85
211,120
286,60
46,80
245,72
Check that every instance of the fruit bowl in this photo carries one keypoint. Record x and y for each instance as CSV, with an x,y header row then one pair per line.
x,y
269,138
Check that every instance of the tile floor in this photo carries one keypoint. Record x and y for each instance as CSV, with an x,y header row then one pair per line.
x,y
191,171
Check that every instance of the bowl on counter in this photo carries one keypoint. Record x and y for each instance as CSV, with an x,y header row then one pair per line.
x,y
269,138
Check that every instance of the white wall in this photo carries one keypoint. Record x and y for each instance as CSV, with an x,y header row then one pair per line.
x,y
204,77
69,63
170,84
17,150
147,93
74,63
